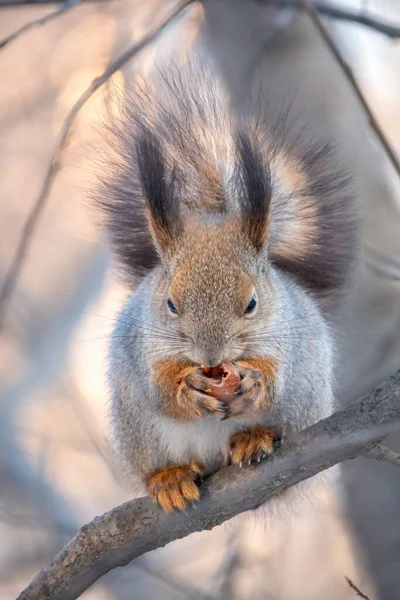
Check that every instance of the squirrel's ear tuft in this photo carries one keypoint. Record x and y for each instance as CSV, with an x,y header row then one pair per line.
x,y
159,190
256,192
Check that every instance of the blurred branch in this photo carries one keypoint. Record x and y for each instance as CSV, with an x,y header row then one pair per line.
x,y
5,3
136,527
356,589
28,230
362,18
77,403
309,8
230,565
382,264
323,8
15,268
343,14
180,587
66,6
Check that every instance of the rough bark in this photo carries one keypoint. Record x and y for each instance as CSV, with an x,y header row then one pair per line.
x,y
136,527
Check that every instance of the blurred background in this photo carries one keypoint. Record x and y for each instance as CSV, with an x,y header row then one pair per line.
x,y
56,470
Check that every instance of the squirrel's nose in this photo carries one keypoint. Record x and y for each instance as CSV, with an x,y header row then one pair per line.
x,y
208,357
212,360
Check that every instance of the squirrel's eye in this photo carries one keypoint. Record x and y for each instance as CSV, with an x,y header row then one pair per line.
x,y
172,306
251,305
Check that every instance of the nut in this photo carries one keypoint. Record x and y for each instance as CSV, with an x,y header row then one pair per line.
x,y
229,380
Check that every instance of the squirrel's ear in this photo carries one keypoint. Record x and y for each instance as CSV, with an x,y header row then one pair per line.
x,y
161,200
256,192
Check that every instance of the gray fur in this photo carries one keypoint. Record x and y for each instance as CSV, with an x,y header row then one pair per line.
x,y
146,439
288,274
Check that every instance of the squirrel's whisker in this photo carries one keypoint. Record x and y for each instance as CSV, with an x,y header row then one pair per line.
x,y
237,232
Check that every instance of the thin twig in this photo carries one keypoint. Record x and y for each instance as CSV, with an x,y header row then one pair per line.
x,y
13,273
309,8
328,10
343,14
7,3
356,589
380,452
362,18
66,6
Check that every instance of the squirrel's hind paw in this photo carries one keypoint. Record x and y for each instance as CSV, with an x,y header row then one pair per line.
x,y
176,486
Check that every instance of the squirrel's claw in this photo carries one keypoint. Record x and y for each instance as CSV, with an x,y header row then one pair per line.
x,y
251,445
248,398
175,487
282,432
193,401
254,445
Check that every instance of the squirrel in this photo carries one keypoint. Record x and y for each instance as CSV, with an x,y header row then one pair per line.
x,y
239,236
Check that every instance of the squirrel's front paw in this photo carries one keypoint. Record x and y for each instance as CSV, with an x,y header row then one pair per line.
x,y
256,443
251,396
175,487
192,398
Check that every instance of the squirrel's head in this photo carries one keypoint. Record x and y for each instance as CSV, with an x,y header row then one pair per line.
x,y
215,286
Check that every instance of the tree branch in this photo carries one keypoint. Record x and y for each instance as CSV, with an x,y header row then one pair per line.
x,y
13,273
312,13
66,6
6,3
356,589
380,452
343,14
181,588
362,18
136,527
323,8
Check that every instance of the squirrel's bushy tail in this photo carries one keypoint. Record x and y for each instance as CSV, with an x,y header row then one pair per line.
x,y
200,159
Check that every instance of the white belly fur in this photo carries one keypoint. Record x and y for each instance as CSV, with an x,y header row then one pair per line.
x,y
205,441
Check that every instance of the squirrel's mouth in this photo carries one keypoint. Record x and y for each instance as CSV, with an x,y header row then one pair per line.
x,y
224,381
218,371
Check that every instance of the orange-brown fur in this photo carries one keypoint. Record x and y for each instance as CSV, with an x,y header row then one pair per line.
x,y
253,444
182,402
256,392
238,234
289,173
175,487
302,227
169,373
176,379
267,366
